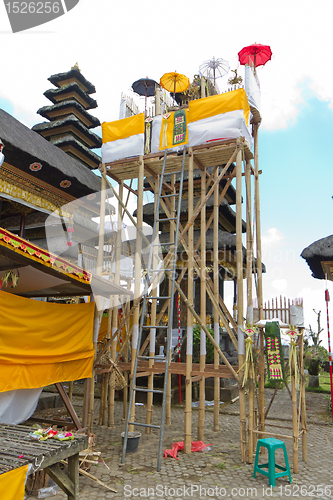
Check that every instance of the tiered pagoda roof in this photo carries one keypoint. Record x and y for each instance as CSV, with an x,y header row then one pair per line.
x,y
69,119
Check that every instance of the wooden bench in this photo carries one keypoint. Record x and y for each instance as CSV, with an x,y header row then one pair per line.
x,y
15,442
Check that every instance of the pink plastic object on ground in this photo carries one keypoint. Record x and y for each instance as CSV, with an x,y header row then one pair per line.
x,y
195,446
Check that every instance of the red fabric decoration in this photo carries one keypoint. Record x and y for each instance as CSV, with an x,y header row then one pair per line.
x,y
195,446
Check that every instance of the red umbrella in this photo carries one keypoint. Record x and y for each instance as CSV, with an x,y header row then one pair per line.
x,y
257,53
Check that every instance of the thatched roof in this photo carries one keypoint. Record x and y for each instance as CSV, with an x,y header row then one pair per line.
x,y
75,107
87,157
319,252
55,95
74,124
76,74
24,147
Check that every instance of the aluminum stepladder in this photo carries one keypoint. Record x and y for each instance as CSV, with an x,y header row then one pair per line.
x,y
150,276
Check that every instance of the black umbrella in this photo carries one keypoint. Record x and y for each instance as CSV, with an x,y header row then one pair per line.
x,y
145,87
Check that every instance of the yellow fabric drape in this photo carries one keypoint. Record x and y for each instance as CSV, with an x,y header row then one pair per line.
x,y
43,343
200,109
12,484
121,129
104,327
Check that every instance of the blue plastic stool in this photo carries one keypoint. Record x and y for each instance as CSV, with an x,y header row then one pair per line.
x,y
271,445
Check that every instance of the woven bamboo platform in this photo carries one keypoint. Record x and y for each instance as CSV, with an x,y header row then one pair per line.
x,y
218,153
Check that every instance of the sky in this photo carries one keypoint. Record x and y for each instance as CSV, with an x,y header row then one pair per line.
x,y
116,43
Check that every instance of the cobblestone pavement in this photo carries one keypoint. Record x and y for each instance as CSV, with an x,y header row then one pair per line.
x,y
218,473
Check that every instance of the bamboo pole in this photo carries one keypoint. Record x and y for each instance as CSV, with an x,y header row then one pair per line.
x,y
99,271
256,426
294,416
85,411
202,382
152,334
302,396
240,306
105,378
157,100
272,434
189,343
202,87
259,278
92,380
125,351
102,400
70,391
216,293
85,473
258,223
261,362
171,239
100,254
137,278
249,251
115,314
249,240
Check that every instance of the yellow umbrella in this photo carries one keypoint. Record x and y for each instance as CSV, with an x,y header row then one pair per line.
x,y
174,82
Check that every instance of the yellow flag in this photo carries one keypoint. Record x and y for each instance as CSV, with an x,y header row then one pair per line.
x,y
12,484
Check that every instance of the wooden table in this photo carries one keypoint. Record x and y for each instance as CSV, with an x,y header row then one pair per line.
x,y
15,442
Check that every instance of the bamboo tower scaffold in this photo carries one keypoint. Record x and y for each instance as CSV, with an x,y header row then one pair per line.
x,y
229,159
224,160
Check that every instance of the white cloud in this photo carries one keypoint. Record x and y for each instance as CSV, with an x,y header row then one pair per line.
x,y
131,43
271,239
280,285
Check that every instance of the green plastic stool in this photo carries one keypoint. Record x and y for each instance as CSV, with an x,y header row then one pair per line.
x,y
271,445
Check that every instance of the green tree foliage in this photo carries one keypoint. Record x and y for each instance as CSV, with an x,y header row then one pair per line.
x,y
196,345
315,351
314,335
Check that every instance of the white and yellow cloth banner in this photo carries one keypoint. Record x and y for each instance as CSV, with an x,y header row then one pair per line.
x,y
123,138
43,343
12,484
170,131
219,117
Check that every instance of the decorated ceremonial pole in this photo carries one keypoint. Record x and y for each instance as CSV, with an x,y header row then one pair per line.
x,y
327,298
190,294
